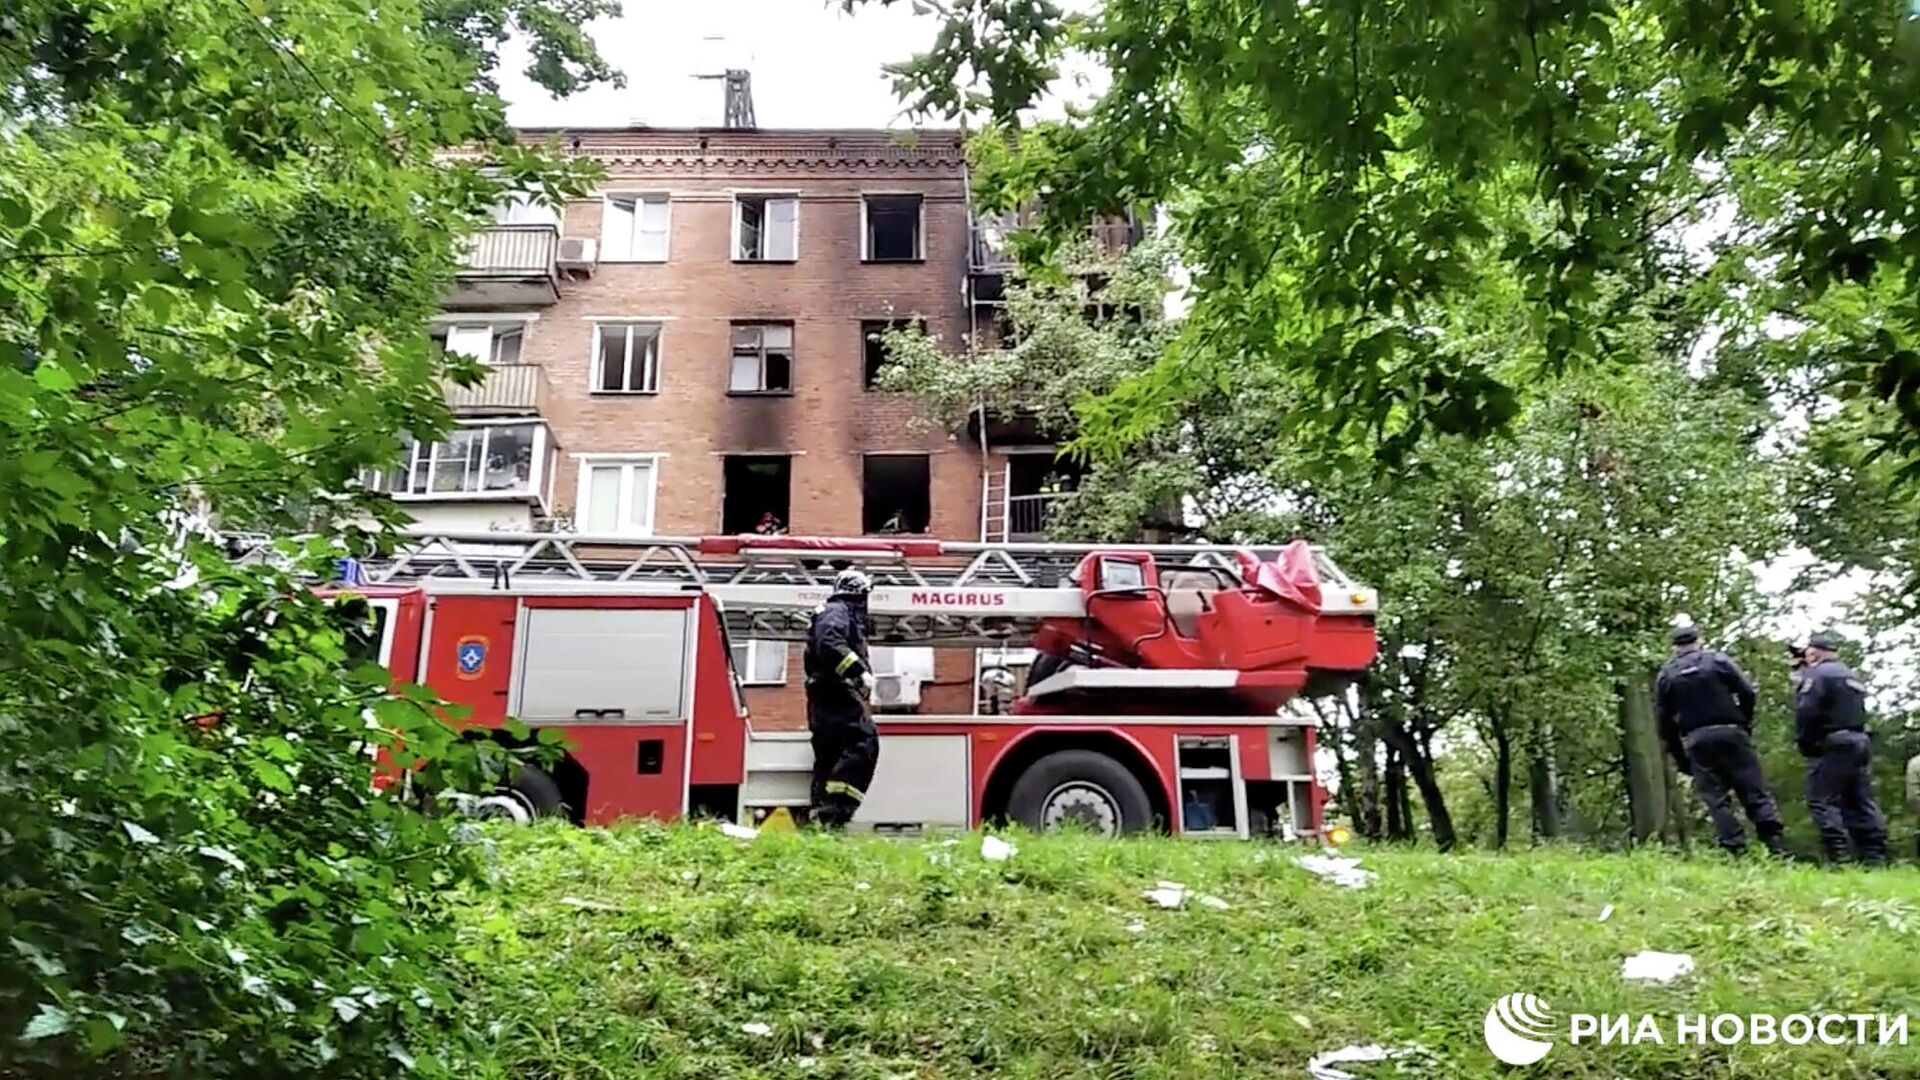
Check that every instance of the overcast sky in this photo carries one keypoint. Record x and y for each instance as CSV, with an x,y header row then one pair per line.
x,y
811,65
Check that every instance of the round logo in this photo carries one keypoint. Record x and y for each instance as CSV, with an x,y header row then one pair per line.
x,y
1519,1029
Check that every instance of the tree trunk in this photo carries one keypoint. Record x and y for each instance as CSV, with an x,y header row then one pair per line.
x,y
1399,816
1419,764
1502,780
1677,808
1645,767
1543,787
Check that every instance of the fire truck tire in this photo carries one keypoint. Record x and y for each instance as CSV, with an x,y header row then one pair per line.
x,y
539,792
1083,786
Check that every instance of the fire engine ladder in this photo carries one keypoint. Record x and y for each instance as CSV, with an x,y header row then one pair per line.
x,y
926,592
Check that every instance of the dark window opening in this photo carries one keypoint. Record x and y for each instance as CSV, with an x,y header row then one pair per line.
x,y
650,758
895,494
873,341
365,627
893,228
1042,474
758,494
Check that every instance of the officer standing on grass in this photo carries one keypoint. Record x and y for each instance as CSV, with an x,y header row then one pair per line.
x,y
1705,705
1830,726
846,747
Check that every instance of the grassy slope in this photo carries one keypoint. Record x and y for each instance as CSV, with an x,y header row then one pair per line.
x,y
871,958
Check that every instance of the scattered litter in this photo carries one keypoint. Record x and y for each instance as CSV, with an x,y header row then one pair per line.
x,y
1322,1066
1656,967
994,849
589,905
689,876
1338,869
1168,894
861,886
757,1028
1136,927
806,1062
1606,913
1215,903
1302,1021
818,1042
738,832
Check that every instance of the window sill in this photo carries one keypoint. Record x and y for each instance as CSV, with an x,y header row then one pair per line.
x,y
738,261
760,393
644,262
624,393
893,262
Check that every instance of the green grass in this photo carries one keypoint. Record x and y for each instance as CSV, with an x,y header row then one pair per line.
x,y
875,958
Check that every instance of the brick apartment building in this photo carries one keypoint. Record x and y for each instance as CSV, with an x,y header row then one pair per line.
x,y
691,351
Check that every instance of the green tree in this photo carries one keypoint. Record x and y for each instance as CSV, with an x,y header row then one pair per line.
x,y
223,227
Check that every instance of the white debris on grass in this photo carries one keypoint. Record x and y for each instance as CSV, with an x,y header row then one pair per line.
x,y
587,905
1167,894
994,849
1606,913
1338,869
861,886
1324,1066
1215,903
738,832
757,1028
1656,967
1136,927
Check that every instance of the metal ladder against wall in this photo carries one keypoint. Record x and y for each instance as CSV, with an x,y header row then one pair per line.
x,y
995,527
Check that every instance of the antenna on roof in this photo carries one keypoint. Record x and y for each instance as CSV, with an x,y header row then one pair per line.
x,y
739,112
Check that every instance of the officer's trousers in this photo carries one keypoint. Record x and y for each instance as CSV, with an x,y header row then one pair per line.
x,y
846,750
1725,767
1840,799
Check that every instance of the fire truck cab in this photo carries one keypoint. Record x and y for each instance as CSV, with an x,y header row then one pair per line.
x,y
1158,699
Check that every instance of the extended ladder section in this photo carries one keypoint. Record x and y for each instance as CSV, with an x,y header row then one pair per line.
x,y
926,592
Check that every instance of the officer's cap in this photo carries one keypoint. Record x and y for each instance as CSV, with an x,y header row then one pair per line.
x,y
1825,641
1684,635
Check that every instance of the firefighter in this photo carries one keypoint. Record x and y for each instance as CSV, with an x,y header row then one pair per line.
x,y
1705,705
1830,725
839,683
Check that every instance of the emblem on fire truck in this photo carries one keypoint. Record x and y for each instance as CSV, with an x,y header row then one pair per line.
x,y
470,653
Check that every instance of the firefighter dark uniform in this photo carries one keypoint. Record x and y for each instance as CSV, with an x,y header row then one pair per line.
x,y
846,747
1705,704
1830,726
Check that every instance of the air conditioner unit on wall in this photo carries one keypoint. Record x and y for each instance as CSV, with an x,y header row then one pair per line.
x,y
896,691
577,253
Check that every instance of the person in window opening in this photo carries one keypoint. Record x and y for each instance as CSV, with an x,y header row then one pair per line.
x,y
1705,705
1830,726
846,746
770,525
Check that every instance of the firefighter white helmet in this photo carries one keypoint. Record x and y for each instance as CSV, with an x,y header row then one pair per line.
x,y
851,582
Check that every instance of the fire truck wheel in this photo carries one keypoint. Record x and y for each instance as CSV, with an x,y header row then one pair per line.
x,y
1080,787
532,794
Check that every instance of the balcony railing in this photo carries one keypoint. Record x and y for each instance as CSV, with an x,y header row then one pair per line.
x,y
507,390
1027,515
512,251
1110,237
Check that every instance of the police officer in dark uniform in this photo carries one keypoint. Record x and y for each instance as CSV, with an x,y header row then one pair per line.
x,y
846,747
1830,725
1705,704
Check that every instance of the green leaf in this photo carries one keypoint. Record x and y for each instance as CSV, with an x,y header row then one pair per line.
x,y
51,376
51,1020
271,776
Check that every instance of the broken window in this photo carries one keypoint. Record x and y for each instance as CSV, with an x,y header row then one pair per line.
x,y
893,228
758,493
873,340
895,493
766,228
762,359
1036,483
626,358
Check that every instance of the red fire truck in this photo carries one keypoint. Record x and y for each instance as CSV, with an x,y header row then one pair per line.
x,y
1156,699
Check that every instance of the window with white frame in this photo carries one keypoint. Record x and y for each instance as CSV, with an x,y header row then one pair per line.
x,y
914,661
524,209
633,228
491,343
626,358
490,459
766,228
892,232
762,359
616,496
760,663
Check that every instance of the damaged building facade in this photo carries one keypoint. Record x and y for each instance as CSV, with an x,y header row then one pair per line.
x,y
692,350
